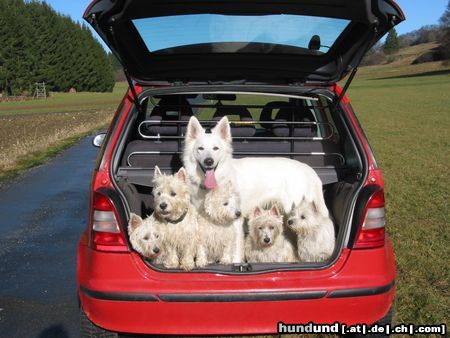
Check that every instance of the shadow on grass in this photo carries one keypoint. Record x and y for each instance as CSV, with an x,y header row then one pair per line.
x,y
436,72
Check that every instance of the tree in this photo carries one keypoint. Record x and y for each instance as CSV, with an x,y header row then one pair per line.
x,y
38,44
392,44
445,18
444,48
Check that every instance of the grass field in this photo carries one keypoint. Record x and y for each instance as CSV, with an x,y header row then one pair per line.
x,y
407,121
65,102
405,111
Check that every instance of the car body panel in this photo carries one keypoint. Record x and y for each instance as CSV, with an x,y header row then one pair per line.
x,y
126,275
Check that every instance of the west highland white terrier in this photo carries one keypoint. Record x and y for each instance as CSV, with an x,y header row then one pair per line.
x,y
178,217
220,235
315,232
266,241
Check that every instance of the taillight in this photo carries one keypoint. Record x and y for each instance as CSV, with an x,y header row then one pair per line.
x,y
106,233
371,230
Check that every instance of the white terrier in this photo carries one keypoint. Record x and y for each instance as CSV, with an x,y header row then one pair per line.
x,y
315,232
209,163
220,234
266,242
178,217
145,236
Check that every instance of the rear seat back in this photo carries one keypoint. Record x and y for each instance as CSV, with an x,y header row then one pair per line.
x,y
294,114
243,114
169,108
151,152
267,113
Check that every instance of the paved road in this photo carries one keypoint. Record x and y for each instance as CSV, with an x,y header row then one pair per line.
x,y
42,214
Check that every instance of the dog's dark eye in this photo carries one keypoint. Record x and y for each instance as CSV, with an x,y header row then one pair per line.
x,y
173,194
159,194
201,148
290,222
146,238
225,204
216,148
156,236
302,217
259,228
271,227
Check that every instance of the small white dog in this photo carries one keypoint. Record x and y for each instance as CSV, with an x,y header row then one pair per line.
x,y
266,242
209,163
220,235
178,217
315,232
145,236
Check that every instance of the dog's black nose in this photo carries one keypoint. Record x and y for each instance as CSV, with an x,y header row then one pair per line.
x,y
163,205
208,161
238,213
267,240
155,249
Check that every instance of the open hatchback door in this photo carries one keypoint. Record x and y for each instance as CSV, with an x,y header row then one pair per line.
x,y
285,42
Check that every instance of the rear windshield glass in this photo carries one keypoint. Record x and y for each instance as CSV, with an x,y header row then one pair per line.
x,y
238,33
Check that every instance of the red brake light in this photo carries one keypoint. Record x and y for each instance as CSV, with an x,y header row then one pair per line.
x,y
102,203
371,232
105,228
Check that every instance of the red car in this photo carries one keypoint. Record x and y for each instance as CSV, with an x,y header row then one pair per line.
x,y
272,68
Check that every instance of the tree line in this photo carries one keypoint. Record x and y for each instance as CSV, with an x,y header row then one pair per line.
x,y
37,44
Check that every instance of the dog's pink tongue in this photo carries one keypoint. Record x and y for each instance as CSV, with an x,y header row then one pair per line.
x,y
210,179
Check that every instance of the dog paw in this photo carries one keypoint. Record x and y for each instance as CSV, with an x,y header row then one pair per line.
x,y
171,264
226,260
187,266
201,263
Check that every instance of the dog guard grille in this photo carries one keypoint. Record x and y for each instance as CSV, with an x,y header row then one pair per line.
x,y
268,136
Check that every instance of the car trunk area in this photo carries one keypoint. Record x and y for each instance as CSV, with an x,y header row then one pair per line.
x,y
304,126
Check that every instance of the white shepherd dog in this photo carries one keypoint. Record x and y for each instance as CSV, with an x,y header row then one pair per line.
x,y
208,161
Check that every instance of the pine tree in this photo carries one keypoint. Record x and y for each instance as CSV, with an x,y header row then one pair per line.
x,y
392,44
38,44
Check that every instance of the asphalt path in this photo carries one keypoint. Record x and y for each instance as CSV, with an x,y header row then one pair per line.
x,y
42,214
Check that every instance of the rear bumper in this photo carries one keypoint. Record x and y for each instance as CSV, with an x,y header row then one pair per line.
x,y
119,293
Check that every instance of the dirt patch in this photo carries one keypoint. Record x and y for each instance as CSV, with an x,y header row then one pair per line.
x,y
22,135
15,98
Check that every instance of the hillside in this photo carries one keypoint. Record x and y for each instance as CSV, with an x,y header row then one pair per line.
x,y
402,66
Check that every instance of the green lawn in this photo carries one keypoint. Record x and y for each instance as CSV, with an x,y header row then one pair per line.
x,y
65,102
407,121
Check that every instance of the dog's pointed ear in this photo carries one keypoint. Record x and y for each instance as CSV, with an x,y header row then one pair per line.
x,y
257,212
314,207
135,221
157,172
223,129
274,211
293,207
194,129
181,175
